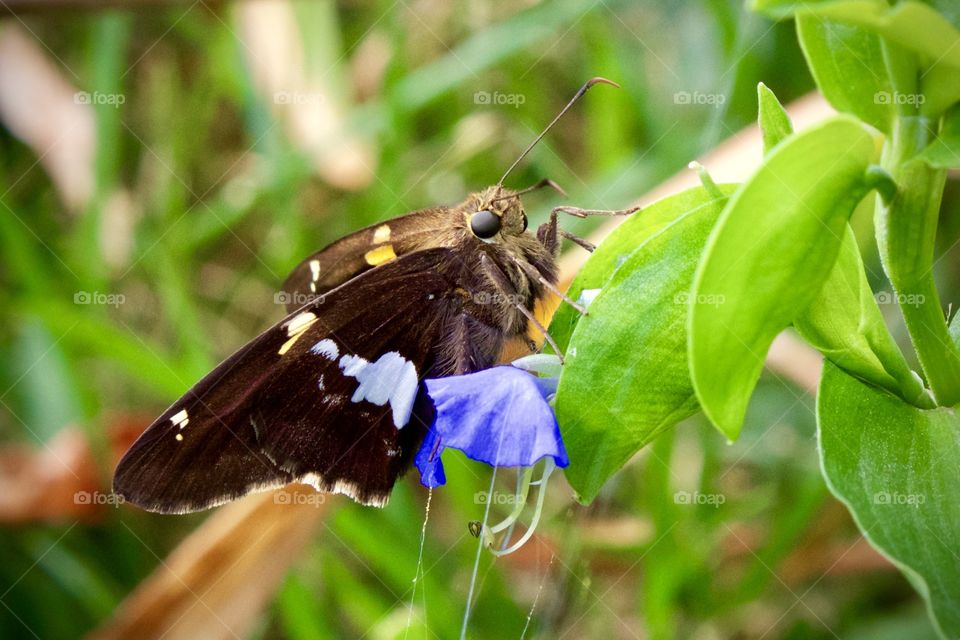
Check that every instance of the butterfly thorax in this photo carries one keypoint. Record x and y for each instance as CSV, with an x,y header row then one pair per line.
x,y
500,269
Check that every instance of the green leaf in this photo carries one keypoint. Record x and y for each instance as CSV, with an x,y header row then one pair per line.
x,y
621,242
897,468
768,257
43,381
847,63
144,361
844,323
910,24
944,152
625,378
773,119
940,86
954,329
298,611
949,9
485,49
906,230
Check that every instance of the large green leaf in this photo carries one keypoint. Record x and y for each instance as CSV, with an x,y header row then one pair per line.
x,y
897,468
847,63
768,257
949,9
621,242
844,323
940,85
625,379
910,24
944,152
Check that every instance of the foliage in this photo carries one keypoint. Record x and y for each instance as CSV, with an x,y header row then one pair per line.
x,y
781,253
225,203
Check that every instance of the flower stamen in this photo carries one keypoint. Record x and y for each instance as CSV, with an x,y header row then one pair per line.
x,y
488,533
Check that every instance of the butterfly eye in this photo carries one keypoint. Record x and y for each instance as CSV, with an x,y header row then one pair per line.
x,y
524,223
485,224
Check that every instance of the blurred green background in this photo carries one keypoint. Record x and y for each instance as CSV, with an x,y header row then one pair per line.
x,y
147,222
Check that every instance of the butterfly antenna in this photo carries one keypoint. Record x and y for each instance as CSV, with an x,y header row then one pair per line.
x,y
589,83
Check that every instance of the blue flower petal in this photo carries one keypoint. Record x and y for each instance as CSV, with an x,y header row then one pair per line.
x,y
499,416
428,461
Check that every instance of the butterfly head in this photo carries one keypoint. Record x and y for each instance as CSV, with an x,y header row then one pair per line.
x,y
494,214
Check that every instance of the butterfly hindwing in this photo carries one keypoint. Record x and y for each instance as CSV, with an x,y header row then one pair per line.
x,y
329,396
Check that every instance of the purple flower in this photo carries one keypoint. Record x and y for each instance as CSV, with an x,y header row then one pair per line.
x,y
499,416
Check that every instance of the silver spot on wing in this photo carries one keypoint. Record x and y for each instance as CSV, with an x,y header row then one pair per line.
x,y
391,378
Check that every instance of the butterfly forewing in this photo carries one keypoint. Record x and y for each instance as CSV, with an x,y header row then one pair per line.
x,y
329,396
366,249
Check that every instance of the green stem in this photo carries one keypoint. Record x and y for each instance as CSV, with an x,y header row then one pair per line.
x,y
906,231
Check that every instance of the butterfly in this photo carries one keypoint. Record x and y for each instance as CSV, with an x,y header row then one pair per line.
x,y
331,395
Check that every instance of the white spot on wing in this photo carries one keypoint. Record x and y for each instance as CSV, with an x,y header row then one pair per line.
x,y
180,419
326,348
314,270
381,234
391,378
352,365
300,322
296,327
333,399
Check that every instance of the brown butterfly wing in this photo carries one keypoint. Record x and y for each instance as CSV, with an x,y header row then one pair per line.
x,y
295,404
367,249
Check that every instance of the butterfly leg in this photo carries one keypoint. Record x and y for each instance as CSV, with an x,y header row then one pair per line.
x,y
584,213
502,283
549,286
542,329
584,244
549,232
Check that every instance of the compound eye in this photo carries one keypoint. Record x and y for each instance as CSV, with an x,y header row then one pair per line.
x,y
524,223
485,224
